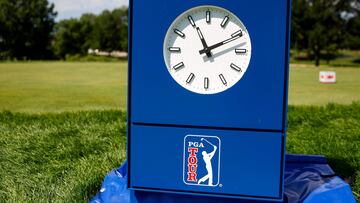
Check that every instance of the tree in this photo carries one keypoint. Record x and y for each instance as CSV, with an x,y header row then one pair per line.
x,y
87,22
318,27
74,36
69,38
299,38
26,29
111,30
327,29
353,33
107,32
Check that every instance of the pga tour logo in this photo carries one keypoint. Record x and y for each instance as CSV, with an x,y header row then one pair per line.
x,y
201,160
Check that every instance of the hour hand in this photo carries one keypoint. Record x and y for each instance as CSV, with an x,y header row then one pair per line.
x,y
208,53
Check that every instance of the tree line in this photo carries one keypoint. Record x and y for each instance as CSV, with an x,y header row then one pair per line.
x,y
107,32
322,27
28,29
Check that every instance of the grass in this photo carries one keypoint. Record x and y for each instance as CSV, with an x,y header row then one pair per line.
x,y
62,126
64,157
40,87
331,130
345,58
58,157
62,86
305,89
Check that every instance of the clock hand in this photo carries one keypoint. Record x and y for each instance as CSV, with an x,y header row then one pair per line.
x,y
208,53
208,49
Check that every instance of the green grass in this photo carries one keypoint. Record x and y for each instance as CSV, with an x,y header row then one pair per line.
x,y
344,59
69,86
62,86
331,130
305,88
58,157
64,157
64,126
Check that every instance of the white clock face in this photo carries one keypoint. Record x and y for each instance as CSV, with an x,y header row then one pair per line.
x,y
207,50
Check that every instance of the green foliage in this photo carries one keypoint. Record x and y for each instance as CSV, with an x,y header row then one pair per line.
x,y
70,38
111,30
92,58
26,28
333,131
318,27
352,38
58,157
106,32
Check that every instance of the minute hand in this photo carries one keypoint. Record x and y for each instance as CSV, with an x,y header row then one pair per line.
x,y
219,44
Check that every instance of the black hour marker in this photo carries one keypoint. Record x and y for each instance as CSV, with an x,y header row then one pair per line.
x,y
179,65
235,67
208,17
238,33
206,83
240,51
174,49
225,21
191,20
222,78
178,32
190,78
200,34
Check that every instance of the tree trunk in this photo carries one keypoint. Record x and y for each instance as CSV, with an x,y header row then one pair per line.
x,y
317,56
317,60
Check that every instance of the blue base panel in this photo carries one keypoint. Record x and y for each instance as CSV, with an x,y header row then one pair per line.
x,y
182,160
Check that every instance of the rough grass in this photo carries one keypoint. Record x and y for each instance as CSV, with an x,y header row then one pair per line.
x,y
58,157
64,157
333,131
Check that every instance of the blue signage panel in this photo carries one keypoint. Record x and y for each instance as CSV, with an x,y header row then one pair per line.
x,y
212,162
208,96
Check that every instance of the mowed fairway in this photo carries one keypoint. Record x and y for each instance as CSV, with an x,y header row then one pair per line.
x,y
62,86
38,87
305,88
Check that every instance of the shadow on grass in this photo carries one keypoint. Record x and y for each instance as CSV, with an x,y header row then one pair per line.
x,y
342,168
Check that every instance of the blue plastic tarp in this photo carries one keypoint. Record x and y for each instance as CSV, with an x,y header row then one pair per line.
x,y
308,179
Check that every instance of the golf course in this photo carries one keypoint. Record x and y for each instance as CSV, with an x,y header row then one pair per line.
x,y
63,125
64,104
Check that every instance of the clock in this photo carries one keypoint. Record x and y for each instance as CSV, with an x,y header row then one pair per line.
x,y
207,50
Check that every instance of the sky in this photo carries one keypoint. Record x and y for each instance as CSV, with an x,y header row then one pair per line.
x,y
75,8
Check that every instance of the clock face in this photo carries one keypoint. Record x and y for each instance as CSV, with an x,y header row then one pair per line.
x,y
207,50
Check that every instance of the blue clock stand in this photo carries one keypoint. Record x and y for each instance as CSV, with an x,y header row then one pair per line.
x,y
172,132
171,129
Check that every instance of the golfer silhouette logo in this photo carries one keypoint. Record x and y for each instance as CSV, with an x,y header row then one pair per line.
x,y
201,160
207,159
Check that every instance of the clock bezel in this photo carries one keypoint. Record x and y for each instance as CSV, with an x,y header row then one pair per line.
x,y
180,17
